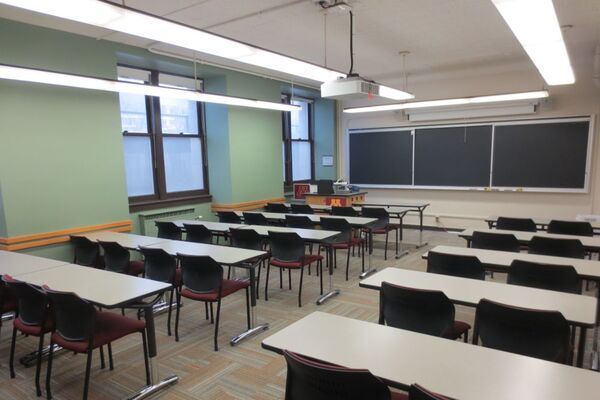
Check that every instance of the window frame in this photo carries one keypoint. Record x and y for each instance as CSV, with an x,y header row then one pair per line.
x,y
287,141
161,197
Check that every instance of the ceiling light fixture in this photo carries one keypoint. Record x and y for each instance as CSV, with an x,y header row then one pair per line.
x,y
84,82
498,98
126,20
536,26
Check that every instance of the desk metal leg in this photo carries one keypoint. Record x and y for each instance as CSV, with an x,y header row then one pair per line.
x,y
399,251
370,270
254,329
331,292
421,243
155,383
595,361
581,346
30,359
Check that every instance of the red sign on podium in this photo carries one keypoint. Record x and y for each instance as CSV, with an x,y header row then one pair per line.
x,y
300,189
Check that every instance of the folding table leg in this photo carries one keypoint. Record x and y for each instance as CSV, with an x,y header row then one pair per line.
x,y
254,329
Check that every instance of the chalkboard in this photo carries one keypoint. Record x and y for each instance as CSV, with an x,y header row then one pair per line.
x,y
541,155
383,157
454,156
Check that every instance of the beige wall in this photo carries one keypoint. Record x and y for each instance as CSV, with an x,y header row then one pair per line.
x,y
467,208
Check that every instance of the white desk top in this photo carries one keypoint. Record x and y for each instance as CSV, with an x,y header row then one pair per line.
x,y
589,242
313,235
127,240
588,269
226,255
577,309
105,288
544,220
211,226
355,221
452,368
16,264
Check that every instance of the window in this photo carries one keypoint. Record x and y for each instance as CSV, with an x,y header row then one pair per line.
x,y
298,160
163,142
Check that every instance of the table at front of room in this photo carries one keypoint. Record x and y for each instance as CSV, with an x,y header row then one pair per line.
x,y
542,223
453,368
578,310
317,236
109,290
224,255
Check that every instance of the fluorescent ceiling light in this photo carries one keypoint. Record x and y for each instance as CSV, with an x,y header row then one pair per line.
x,y
84,82
451,102
394,94
125,20
536,26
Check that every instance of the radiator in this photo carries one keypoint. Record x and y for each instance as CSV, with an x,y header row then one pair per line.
x,y
147,226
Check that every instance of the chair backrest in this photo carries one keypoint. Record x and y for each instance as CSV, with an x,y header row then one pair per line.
x,y
286,246
116,257
159,265
424,311
516,224
86,252
229,217
375,212
561,278
252,218
302,209
417,392
168,230
577,228
299,221
276,208
571,248
455,265
197,233
32,303
339,225
315,380
246,239
74,317
201,274
344,211
495,241
534,333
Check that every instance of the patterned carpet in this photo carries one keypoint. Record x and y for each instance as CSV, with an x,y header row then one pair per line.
x,y
242,372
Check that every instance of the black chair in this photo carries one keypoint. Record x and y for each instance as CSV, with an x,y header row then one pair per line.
x,y
32,318
277,208
254,218
561,278
576,228
533,333
344,211
198,233
345,240
80,328
229,217
417,392
299,221
162,267
302,209
8,301
168,230
117,259
455,265
516,224
86,252
425,311
495,241
382,226
288,252
251,240
316,380
202,279
571,248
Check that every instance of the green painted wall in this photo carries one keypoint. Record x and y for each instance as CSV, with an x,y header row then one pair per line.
x,y
2,218
324,133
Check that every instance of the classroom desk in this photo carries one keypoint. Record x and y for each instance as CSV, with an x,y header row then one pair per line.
x,y
313,236
542,223
225,255
15,264
214,227
109,290
459,370
127,240
418,207
577,309
591,243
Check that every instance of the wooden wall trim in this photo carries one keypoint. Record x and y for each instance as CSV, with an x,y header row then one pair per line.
x,y
47,238
249,205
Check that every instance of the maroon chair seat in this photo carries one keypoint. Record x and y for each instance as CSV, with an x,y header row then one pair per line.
x,y
34,330
383,226
345,240
460,329
136,268
303,261
229,286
